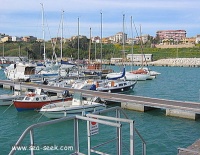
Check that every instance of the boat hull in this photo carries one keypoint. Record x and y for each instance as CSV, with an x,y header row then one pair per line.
x,y
117,89
69,111
25,105
6,100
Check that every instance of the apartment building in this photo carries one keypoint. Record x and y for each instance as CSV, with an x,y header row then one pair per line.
x,y
120,37
175,35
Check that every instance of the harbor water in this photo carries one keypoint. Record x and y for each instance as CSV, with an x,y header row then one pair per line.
x,y
162,134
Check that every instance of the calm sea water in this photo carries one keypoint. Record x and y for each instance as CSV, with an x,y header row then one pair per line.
x,y
163,134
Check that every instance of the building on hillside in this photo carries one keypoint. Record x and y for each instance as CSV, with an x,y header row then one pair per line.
x,y
6,38
197,41
175,35
96,39
56,40
106,40
191,40
140,57
29,38
1,36
120,37
16,39
132,40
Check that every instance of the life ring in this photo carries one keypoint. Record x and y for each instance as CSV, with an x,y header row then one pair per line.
x,y
31,94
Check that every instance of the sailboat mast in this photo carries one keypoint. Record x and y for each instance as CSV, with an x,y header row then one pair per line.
x,y
61,41
89,47
78,49
101,41
123,39
3,49
131,43
141,47
43,32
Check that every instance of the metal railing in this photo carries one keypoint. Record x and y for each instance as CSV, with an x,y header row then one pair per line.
x,y
94,117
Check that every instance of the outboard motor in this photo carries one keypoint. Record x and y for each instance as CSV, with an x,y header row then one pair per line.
x,y
93,87
65,93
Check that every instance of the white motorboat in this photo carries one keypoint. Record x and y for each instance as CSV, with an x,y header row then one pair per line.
x,y
78,106
21,71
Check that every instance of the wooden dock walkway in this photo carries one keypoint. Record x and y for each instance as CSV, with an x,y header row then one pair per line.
x,y
190,110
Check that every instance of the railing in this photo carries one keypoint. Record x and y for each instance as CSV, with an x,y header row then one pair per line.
x,y
106,120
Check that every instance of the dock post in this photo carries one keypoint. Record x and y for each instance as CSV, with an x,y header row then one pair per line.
x,y
181,113
136,106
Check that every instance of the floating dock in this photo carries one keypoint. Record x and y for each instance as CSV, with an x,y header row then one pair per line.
x,y
189,110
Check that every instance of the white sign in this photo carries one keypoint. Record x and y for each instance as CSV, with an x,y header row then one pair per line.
x,y
94,128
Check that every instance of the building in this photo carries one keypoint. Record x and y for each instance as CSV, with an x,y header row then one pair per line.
x,y
115,60
15,39
96,39
29,38
139,58
197,41
173,35
120,37
191,40
6,38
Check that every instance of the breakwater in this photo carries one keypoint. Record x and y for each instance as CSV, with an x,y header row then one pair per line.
x,y
179,62
173,62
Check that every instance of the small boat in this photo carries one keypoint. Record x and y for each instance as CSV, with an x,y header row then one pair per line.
x,y
116,86
35,100
78,106
7,99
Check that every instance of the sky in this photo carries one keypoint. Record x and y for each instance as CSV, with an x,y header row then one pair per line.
x,y
104,17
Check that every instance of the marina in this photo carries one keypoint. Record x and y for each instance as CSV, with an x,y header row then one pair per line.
x,y
152,124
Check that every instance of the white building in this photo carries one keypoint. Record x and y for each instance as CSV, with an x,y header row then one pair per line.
x,y
140,57
197,39
14,38
119,38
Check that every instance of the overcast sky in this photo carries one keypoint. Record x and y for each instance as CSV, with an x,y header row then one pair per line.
x,y
24,17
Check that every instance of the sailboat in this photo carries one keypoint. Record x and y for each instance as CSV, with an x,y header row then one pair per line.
x,y
96,68
134,75
129,75
144,70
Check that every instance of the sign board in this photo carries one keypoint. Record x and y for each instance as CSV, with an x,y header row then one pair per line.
x,y
94,128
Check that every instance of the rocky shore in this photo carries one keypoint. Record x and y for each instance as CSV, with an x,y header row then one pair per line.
x,y
180,62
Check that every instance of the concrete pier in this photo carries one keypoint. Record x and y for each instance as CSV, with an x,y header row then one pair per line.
x,y
136,106
181,113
